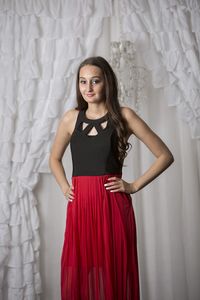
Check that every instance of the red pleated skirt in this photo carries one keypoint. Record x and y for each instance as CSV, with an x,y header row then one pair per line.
x,y
99,257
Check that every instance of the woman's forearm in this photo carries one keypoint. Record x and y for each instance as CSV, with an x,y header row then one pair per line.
x,y
58,171
161,164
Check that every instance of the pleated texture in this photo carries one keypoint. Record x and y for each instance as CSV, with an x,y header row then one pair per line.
x,y
99,257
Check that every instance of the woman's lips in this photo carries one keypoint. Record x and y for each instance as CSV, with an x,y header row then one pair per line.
x,y
89,95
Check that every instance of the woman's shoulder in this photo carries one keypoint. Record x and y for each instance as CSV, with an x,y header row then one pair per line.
x,y
133,120
69,119
127,112
70,115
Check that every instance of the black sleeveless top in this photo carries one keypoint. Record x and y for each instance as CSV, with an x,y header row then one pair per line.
x,y
94,154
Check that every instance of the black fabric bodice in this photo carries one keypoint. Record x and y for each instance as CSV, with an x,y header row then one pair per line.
x,y
94,154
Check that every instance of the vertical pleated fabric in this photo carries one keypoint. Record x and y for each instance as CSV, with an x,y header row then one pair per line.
x,y
99,256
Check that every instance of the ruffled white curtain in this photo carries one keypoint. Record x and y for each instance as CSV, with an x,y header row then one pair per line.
x,y
41,44
171,31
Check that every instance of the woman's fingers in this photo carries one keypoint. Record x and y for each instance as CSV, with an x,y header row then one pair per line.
x,y
114,186
118,185
115,181
70,193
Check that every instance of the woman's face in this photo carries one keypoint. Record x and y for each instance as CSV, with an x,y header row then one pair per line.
x,y
91,84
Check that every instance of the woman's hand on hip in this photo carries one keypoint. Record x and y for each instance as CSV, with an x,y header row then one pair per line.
x,y
69,193
117,184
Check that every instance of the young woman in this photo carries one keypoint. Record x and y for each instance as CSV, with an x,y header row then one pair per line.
x,y
99,257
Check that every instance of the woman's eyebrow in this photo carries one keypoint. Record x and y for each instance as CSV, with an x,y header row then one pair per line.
x,y
91,77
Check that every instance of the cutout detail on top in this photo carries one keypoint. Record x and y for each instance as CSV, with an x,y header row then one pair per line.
x,y
93,129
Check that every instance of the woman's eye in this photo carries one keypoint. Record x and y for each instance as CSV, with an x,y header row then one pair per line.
x,y
95,81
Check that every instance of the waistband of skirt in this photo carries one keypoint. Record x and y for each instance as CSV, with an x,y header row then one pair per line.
x,y
98,176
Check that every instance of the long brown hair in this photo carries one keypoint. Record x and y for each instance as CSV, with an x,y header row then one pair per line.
x,y
111,100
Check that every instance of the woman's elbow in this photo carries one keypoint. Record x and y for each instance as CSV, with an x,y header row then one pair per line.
x,y
51,161
170,158
54,160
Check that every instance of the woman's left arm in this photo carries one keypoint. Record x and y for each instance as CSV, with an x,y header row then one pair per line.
x,y
164,157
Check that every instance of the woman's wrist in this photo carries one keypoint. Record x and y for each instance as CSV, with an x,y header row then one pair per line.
x,y
65,189
134,188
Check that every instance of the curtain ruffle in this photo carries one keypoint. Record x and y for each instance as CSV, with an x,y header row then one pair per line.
x,y
172,32
56,9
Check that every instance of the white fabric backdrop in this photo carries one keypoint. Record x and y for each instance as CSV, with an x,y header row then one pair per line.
x,y
40,48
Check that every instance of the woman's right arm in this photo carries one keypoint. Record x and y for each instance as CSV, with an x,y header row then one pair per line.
x,y
61,141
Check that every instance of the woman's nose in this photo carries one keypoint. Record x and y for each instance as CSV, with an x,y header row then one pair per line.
x,y
89,86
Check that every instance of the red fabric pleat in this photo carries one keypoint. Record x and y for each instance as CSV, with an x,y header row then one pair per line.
x,y
99,256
